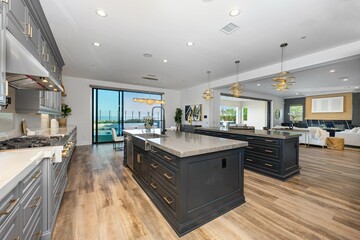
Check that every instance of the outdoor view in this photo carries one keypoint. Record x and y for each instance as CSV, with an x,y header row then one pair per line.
x,y
116,109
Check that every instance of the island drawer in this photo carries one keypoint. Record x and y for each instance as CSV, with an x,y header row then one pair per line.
x,y
262,141
10,229
261,164
31,203
8,204
268,151
165,156
165,173
27,182
167,199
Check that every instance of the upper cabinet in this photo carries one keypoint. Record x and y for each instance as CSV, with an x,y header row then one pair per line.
x,y
2,56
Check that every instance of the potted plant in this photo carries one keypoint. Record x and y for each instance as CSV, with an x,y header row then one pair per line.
x,y
65,112
178,118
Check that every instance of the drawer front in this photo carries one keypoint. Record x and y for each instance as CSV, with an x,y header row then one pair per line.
x,y
30,179
267,151
10,229
261,164
165,156
167,199
32,203
34,231
165,173
262,141
8,204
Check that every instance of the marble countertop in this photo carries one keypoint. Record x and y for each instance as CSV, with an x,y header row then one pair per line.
x,y
63,131
183,144
15,165
258,133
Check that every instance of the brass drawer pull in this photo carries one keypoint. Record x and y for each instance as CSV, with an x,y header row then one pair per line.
x,y
37,175
38,234
249,160
138,157
249,138
37,203
269,151
268,164
153,185
250,147
18,238
166,199
168,176
167,158
154,166
268,140
11,207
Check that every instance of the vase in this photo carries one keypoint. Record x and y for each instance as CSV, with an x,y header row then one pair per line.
x,y
62,122
178,127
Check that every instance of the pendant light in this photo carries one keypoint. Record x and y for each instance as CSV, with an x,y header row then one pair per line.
x,y
149,101
283,79
236,89
207,94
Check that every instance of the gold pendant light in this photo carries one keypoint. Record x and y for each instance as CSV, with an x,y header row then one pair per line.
x,y
208,94
236,89
283,79
149,101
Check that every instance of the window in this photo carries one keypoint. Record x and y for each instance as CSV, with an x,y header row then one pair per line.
x,y
228,114
245,113
296,113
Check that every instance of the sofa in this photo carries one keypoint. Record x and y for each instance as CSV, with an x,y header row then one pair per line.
x,y
351,137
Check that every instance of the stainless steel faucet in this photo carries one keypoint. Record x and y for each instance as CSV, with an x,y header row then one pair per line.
x,y
163,130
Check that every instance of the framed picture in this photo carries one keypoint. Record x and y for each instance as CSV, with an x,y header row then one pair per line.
x,y
193,111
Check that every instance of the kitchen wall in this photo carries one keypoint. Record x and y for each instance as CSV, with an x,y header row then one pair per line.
x,y
193,95
10,121
79,99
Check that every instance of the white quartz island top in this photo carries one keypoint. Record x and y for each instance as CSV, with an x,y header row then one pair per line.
x,y
183,144
15,165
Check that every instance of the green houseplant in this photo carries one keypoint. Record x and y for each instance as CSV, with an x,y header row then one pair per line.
x,y
65,112
178,118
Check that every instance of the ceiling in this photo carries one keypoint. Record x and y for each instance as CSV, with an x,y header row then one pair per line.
x,y
163,27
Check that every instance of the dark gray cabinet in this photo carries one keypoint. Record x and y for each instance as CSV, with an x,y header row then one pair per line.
x,y
193,190
38,101
274,157
2,56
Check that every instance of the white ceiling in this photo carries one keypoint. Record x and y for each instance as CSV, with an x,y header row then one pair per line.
x,y
162,28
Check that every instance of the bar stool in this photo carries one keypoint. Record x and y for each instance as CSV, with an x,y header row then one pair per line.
x,y
117,139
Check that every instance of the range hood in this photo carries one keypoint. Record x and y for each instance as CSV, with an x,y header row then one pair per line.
x,y
23,70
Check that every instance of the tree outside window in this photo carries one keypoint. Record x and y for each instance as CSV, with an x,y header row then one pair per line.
x,y
227,114
245,113
296,113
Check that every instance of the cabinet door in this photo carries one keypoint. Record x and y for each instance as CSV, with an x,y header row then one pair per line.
x,y
17,24
2,57
144,172
34,36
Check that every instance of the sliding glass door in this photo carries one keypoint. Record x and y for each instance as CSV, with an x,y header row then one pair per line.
x,y
116,109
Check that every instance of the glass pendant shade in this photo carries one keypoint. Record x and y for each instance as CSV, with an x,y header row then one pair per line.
x,y
236,89
208,94
283,79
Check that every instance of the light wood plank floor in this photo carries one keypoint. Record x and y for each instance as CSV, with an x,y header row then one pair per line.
x,y
103,201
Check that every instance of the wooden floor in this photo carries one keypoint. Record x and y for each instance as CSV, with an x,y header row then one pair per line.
x,y
103,201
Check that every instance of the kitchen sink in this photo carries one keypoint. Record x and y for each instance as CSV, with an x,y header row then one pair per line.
x,y
140,140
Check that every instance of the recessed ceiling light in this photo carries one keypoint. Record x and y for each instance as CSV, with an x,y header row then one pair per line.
x,y
165,60
345,79
234,12
147,55
50,86
96,44
332,71
101,13
190,44
356,87
258,84
303,37
55,89
44,80
297,93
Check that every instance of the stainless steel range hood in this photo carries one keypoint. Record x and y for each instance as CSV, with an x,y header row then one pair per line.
x,y
23,70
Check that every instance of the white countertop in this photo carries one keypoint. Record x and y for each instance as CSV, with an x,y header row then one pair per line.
x,y
184,144
15,165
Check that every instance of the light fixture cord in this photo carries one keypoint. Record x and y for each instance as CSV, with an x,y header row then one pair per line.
x,y
282,57
209,77
237,71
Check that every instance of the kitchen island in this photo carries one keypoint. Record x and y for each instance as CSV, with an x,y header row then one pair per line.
x,y
190,178
272,153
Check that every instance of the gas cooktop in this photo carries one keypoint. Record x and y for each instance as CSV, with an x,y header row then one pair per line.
x,y
28,142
